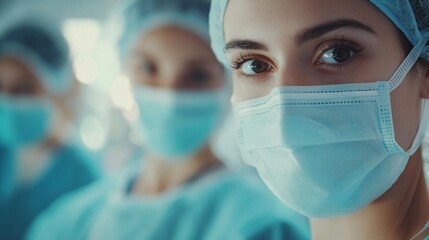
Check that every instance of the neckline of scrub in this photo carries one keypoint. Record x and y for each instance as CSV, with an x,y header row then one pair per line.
x,y
121,194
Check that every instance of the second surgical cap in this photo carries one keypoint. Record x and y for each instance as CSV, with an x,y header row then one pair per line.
x,y
410,16
43,48
141,16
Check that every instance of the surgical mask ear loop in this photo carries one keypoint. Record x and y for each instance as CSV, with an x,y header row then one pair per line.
x,y
406,66
396,80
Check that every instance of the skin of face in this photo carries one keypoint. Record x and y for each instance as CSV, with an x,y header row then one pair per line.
x,y
293,49
174,58
17,79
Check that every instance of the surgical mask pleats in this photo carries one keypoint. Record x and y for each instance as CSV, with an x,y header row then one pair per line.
x,y
175,124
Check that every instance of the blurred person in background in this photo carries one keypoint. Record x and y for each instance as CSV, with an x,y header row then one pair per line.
x,y
38,161
181,190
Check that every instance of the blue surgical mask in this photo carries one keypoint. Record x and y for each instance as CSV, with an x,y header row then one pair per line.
x,y
327,150
24,121
176,124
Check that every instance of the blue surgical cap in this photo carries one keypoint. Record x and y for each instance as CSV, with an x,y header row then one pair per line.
x,y
410,16
43,48
144,15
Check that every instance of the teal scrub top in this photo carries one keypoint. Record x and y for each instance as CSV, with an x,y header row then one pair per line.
x,y
219,205
70,169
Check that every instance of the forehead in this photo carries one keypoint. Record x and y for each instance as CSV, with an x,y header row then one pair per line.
x,y
13,68
173,42
13,64
284,18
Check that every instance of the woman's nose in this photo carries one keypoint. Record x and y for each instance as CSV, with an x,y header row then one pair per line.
x,y
290,74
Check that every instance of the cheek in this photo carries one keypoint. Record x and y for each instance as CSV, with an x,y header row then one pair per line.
x,y
220,81
381,63
136,76
61,117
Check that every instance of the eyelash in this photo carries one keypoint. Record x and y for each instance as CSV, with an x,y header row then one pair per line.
x,y
237,63
339,43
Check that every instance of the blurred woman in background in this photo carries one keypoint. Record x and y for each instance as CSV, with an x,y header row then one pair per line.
x,y
38,163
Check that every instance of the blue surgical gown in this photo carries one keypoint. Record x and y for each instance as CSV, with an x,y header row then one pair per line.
x,y
219,205
70,169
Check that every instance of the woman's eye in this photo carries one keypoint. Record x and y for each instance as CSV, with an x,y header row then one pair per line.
x,y
336,55
25,89
254,67
198,76
148,68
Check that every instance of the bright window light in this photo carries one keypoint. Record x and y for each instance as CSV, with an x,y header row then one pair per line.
x,y
83,37
92,133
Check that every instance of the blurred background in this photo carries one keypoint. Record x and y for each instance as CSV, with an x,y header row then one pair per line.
x,y
102,115
106,109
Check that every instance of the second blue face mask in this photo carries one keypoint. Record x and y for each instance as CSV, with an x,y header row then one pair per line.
x,y
24,121
176,124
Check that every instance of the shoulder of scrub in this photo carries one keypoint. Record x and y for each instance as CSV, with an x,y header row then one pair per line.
x,y
77,159
72,207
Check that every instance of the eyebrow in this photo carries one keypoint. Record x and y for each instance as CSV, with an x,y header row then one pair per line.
x,y
245,45
324,28
306,35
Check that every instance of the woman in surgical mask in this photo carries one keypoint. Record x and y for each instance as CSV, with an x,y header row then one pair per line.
x,y
182,191
37,165
331,100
